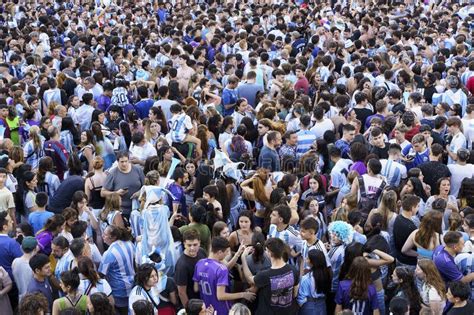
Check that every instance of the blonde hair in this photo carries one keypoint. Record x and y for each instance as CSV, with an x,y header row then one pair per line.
x,y
34,136
112,202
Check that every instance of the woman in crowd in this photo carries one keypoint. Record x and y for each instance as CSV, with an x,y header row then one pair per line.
x,y
73,297
90,280
93,185
404,285
98,304
433,290
357,292
315,285
47,181
426,238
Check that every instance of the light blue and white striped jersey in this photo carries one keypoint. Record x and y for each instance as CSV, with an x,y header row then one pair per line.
x,y
64,264
393,171
336,255
101,286
31,155
289,235
117,266
339,173
305,140
307,289
179,126
465,264
318,246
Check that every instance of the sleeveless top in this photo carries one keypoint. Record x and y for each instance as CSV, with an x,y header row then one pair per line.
x,y
80,305
83,159
96,201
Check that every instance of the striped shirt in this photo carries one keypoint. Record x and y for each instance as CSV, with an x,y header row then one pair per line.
x,y
180,125
305,140
465,264
289,235
318,246
64,264
101,286
393,171
336,255
31,155
117,266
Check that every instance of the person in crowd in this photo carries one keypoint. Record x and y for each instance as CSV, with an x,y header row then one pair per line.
x,y
40,282
21,269
117,265
279,270
185,266
98,303
213,271
73,297
433,291
458,295
126,179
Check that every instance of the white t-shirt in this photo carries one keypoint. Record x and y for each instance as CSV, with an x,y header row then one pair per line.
x,y
468,127
320,128
458,173
142,152
458,142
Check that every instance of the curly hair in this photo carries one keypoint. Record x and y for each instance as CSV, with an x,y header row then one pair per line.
x,y
33,304
343,230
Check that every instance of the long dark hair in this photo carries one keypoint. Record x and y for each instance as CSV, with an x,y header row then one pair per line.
x,y
258,243
351,252
223,199
101,304
408,286
87,269
126,132
418,189
321,273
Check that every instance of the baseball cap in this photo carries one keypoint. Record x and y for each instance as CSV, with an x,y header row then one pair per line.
x,y
29,243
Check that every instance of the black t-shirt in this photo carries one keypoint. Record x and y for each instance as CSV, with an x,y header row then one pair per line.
x,y
165,294
400,107
432,172
184,272
382,153
466,309
275,291
438,138
362,114
402,228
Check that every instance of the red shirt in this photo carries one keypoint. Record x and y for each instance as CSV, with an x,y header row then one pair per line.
x,y
412,132
470,85
302,85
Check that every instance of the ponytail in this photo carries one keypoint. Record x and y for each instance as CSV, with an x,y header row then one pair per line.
x,y
258,242
86,267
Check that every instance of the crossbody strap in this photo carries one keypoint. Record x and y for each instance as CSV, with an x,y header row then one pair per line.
x,y
151,299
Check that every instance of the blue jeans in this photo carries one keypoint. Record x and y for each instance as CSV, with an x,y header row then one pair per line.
x,y
381,300
314,307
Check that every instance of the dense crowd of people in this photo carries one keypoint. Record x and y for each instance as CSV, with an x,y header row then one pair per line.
x,y
236,157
